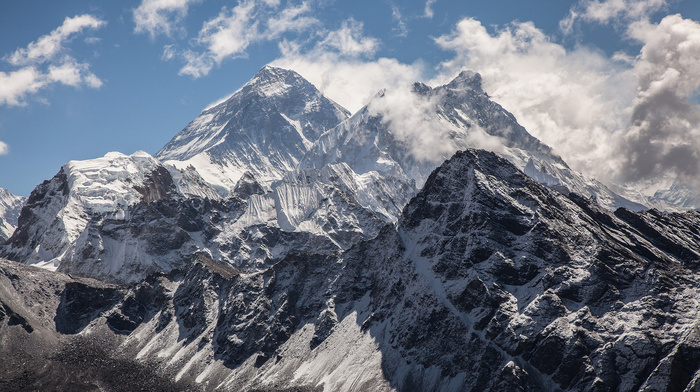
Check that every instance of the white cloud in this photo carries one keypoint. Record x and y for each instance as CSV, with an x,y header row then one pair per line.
x,y
340,66
571,100
196,64
428,12
619,118
401,30
169,52
350,41
664,131
48,46
16,85
291,19
410,118
351,82
4,148
160,16
229,35
606,11
43,63
72,73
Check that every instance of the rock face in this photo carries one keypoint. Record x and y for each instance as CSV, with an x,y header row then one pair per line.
x,y
489,281
10,207
122,218
48,342
107,218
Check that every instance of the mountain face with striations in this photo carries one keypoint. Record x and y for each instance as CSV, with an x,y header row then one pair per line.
x,y
489,281
10,207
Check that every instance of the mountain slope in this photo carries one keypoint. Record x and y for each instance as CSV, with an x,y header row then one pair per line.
x,y
408,134
58,223
489,282
264,128
10,207
121,218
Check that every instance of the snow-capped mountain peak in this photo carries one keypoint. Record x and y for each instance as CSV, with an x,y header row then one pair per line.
x,y
56,222
467,79
264,128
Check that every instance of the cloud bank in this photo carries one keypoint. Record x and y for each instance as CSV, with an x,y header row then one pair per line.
x,y
343,66
664,131
570,100
620,118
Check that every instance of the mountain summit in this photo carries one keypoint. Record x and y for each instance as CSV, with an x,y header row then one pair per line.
x,y
264,128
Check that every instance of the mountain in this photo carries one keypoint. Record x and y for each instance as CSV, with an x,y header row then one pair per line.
x,y
122,218
407,134
253,141
63,221
244,184
10,206
265,128
489,281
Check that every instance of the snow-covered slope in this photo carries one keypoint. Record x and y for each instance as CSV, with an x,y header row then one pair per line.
x,y
264,128
490,281
408,134
62,222
120,218
10,207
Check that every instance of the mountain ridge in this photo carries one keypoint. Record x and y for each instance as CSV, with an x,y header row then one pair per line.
x,y
489,281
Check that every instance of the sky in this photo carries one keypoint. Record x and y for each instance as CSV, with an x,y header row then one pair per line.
x,y
611,85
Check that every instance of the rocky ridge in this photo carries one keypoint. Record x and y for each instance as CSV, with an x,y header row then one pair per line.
x,y
489,281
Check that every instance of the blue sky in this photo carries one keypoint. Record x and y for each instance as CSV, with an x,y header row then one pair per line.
x,y
81,78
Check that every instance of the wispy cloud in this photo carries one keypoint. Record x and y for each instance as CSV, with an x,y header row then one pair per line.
x,y
49,46
228,35
350,41
428,11
410,118
608,11
335,64
401,29
4,148
160,16
45,62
